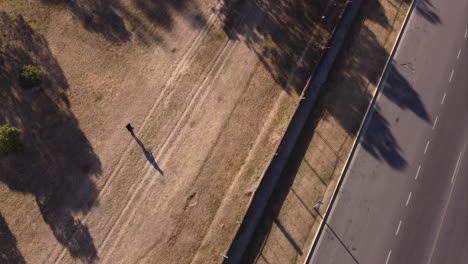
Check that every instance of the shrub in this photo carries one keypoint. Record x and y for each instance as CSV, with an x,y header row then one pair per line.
x,y
31,76
9,139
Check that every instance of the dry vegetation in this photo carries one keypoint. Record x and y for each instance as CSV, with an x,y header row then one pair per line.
x,y
209,86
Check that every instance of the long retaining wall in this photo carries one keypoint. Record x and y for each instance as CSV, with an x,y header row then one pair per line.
x,y
272,174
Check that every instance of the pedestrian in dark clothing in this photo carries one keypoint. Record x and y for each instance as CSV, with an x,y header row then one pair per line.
x,y
129,128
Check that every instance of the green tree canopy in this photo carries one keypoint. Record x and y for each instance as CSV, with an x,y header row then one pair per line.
x,y
9,139
31,76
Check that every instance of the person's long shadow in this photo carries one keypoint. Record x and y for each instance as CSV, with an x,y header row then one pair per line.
x,y
149,156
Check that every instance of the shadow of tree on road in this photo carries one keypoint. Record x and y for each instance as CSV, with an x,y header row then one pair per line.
x,y
380,142
398,90
426,9
58,164
346,96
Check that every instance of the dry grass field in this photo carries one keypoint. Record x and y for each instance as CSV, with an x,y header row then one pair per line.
x,y
209,86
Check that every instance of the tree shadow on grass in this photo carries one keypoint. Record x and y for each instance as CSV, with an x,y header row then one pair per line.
x,y
116,22
97,16
160,12
288,36
58,164
9,252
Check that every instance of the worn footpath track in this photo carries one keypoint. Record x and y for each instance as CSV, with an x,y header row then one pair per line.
x,y
140,187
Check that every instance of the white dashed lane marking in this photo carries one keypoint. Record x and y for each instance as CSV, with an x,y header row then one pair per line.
x,y
398,228
388,257
417,173
427,145
456,168
407,200
435,123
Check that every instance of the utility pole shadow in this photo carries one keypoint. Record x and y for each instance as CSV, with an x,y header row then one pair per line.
x,y
339,239
149,156
288,236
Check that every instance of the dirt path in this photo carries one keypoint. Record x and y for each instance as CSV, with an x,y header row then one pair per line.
x,y
209,86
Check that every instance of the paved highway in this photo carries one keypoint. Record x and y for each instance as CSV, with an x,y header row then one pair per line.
x,y
404,195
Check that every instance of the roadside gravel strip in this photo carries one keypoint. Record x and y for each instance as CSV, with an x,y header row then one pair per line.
x,y
272,174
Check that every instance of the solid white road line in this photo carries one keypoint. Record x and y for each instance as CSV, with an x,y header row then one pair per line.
x,y
466,31
398,228
443,98
456,167
435,122
417,173
388,257
459,52
451,75
444,214
427,145
407,200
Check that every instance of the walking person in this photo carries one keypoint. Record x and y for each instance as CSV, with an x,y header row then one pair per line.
x,y
130,129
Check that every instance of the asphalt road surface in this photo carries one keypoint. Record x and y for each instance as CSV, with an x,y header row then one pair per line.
x,y
404,196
